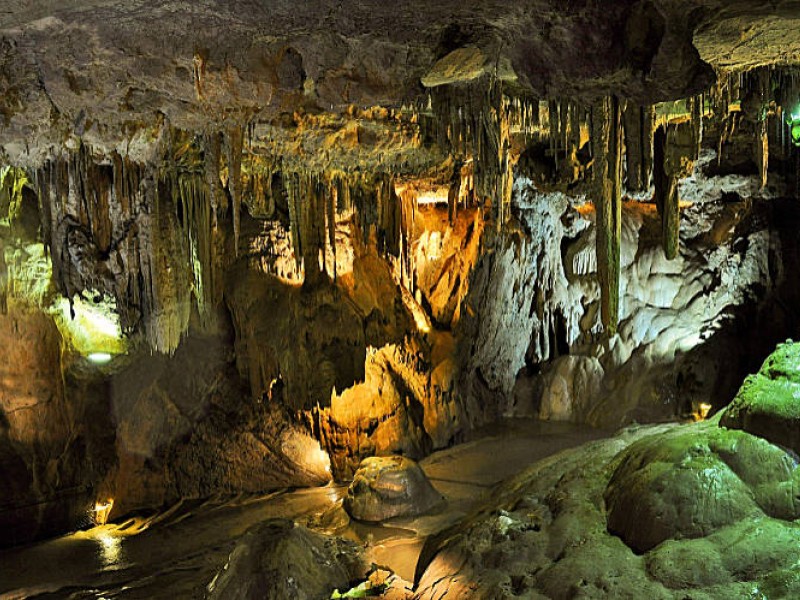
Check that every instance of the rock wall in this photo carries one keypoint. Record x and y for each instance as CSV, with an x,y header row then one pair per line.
x,y
48,435
534,335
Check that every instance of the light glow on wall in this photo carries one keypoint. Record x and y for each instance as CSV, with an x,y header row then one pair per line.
x,y
91,327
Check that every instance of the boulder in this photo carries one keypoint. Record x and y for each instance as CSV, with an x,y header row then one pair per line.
x,y
692,483
390,486
279,560
768,403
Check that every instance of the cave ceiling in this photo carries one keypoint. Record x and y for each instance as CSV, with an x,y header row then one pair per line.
x,y
133,120
106,71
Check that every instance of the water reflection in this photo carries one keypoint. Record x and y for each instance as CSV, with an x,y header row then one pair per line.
x,y
110,550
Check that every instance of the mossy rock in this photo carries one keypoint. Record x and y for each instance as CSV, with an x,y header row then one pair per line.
x,y
768,403
280,560
694,482
674,487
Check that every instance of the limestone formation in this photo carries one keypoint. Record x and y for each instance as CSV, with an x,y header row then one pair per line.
x,y
388,487
767,405
246,245
279,560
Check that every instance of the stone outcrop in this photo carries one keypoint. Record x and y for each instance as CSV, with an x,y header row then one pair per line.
x,y
187,428
767,404
279,560
659,511
385,487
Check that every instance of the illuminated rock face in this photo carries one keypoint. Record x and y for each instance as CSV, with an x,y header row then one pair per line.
x,y
43,431
534,304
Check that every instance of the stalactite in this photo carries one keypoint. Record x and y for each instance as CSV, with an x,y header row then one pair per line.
x,y
607,175
3,280
762,152
168,318
473,121
330,219
555,125
312,220
408,209
762,139
292,184
390,217
197,226
211,159
454,192
235,149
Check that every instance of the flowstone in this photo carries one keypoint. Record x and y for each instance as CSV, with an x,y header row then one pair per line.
x,y
668,511
768,404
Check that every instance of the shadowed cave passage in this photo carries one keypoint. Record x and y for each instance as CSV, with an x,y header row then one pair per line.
x,y
465,300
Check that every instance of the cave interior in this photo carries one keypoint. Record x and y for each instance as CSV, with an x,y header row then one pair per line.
x,y
472,300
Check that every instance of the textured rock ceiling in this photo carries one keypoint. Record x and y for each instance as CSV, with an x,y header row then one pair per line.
x,y
101,70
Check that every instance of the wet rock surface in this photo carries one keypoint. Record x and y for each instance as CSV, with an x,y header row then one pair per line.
x,y
767,405
280,560
662,512
388,487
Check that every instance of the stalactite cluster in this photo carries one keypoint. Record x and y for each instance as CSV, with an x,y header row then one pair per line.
x,y
110,226
110,223
473,121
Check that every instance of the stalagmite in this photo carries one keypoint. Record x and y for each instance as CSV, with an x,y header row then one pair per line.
x,y
607,176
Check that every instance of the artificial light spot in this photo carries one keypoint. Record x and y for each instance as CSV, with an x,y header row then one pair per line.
x,y
99,358
91,327
101,511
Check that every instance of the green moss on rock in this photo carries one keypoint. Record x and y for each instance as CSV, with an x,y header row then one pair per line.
x,y
768,403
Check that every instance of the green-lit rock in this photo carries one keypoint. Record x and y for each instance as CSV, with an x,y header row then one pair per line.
x,y
674,487
768,403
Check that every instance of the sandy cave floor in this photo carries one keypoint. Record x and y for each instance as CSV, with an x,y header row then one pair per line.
x,y
176,553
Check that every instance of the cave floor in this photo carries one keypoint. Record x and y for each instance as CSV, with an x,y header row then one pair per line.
x,y
176,553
